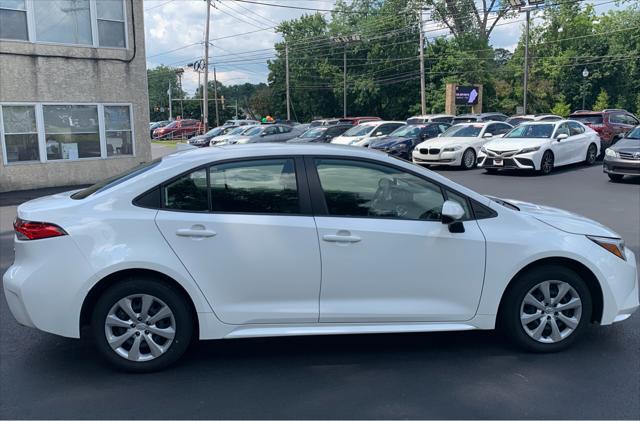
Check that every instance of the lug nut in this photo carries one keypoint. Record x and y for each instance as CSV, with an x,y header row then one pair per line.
x,y
139,319
133,325
146,332
137,333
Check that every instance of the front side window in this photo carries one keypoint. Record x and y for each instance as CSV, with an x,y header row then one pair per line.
x,y
362,189
117,124
563,129
575,128
13,20
260,186
63,21
71,131
111,25
20,133
188,193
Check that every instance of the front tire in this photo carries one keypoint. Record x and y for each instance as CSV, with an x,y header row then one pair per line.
x,y
141,324
592,154
468,160
546,163
546,309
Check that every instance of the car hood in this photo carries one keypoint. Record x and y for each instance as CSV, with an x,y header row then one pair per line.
x,y
389,141
564,220
512,144
448,141
199,138
304,139
346,140
627,145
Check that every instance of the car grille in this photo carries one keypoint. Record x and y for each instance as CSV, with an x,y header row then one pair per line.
x,y
635,156
504,154
432,151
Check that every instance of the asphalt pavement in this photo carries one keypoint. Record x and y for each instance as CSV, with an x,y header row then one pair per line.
x,y
434,375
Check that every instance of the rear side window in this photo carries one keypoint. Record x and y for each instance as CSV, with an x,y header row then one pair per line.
x,y
188,193
114,181
587,118
260,186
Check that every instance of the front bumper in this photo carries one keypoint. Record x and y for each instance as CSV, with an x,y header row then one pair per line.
x,y
620,166
527,161
441,158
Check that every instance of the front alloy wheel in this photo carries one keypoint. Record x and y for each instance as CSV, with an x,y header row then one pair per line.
x,y
468,159
546,164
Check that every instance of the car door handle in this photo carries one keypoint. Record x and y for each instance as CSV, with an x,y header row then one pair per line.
x,y
331,238
195,232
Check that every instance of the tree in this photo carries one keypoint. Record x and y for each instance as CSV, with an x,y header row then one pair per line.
x,y
159,79
602,102
561,107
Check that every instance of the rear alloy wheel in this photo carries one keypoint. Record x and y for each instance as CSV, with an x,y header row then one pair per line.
x,y
468,159
592,155
615,177
141,325
546,309
546,164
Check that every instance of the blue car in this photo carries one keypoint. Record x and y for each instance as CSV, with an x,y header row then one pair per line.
x,y
401,142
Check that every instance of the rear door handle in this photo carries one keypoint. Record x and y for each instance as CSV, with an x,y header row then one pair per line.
x,y
331,238
195,232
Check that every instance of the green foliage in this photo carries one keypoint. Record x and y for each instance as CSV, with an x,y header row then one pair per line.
x,y
602,102
158,80
561,107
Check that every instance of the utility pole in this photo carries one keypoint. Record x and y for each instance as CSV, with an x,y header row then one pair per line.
x,y
526,59
286,59
170,111
423,104
344,82
215,95
205,110
236,102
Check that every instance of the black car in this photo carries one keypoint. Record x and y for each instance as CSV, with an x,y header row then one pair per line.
x,y
204,139
321,134
401,142
623,158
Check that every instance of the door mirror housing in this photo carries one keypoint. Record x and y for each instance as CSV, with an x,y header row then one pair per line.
x,y
487,134
451,212
561,136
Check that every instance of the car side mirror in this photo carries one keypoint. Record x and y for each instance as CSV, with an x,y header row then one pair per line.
x,y
561,136
487,135
451,215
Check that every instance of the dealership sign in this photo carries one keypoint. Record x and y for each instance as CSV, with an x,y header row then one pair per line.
x,y
467,95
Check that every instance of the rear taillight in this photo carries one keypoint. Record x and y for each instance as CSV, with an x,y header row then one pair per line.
x,y
29,230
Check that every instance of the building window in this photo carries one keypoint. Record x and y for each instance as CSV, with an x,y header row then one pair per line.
x,y
117,124
111,23
63,21
93,23
13,20
20,133
71,131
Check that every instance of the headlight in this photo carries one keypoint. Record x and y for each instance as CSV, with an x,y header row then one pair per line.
x,y
452,149
612,245
527,150
610,152
398,147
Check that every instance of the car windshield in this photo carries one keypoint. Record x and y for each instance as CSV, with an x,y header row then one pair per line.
x,y
358,131
254,131
406,131
214,132
540,131
514,121
634,134
471,130
464,120
172,125
313,133
587,118
237,130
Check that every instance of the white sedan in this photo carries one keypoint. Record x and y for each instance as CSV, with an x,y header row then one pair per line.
x,y
365,133
459,145
276,240
541,146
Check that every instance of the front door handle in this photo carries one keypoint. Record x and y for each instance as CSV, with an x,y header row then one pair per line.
x,y
196,231
331,238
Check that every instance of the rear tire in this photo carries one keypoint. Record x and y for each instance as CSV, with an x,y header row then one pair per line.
x,y
141,324
592,154
546,309
615,177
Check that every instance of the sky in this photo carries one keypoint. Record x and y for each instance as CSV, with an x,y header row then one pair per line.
x,y
174,34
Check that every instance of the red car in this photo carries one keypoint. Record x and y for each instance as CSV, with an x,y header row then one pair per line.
x,y
179,129
611,124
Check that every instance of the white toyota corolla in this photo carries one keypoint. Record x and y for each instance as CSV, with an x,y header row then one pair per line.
x,y
541,146
274,240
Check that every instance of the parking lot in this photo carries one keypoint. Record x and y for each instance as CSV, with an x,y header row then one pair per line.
x,y
435,375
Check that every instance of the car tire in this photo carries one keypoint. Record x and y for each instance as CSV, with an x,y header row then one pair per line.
x,y
547,330
615,177
546,163
468,160
592,154
160,341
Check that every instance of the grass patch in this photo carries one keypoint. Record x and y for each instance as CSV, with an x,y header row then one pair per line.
x,y
168,143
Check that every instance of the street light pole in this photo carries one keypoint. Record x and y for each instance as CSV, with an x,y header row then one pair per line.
x,y
526,61
286,59
205,99
585,74
423,103
344,82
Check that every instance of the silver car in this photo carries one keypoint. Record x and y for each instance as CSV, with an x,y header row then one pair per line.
x,y
269,133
